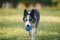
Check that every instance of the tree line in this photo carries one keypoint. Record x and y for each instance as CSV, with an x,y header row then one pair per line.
x,y
28,2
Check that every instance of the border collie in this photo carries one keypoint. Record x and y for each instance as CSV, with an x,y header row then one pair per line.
x,y
31,19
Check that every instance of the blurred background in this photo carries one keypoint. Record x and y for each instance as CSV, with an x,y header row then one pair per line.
x,y
11,19
29,3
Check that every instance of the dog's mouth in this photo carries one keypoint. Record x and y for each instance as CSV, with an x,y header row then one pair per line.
x,y
28,28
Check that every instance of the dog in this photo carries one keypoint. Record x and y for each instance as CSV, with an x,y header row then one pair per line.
x,y
31,18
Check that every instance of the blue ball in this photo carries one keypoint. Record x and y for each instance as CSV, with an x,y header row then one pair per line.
x,y
28,28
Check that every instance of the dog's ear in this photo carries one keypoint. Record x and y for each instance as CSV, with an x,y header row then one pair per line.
x,y
32,13
25,12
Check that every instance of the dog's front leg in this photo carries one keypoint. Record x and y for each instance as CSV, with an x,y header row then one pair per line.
x,y
33,33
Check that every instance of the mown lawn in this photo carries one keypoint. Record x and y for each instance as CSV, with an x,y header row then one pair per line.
x,y
12,25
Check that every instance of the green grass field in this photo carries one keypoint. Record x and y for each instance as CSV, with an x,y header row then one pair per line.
x,y
12,25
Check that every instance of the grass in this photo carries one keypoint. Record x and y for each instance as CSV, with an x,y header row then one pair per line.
x,y
12,26
44,11
50,12
46,31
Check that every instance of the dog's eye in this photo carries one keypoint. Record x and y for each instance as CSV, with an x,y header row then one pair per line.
x,y
30,20
26,20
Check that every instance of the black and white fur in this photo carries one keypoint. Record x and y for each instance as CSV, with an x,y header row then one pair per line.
x,y
31,18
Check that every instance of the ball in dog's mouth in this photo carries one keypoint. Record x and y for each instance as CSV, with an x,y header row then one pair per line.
x,y
28,28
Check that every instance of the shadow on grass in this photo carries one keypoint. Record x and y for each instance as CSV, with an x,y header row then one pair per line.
x,y
43,37
48,37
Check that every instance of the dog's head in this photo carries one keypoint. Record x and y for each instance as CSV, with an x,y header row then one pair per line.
x,y
28,17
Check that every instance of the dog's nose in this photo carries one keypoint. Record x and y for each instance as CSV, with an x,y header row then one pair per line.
x,y
27,25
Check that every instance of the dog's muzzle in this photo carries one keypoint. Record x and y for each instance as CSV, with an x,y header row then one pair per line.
x,y
28,28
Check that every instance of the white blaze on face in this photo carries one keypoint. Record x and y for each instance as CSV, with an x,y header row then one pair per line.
x,y
27,22
29,12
